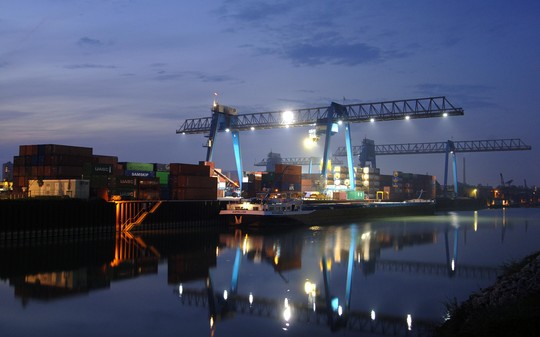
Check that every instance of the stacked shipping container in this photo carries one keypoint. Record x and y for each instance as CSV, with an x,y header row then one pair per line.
x,y
137,181
192,182
284,178
48,161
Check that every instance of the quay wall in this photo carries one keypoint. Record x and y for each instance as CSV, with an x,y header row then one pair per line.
x,y
31,219
26,219
183,215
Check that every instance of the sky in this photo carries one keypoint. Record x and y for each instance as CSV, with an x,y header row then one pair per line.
x,y
120,76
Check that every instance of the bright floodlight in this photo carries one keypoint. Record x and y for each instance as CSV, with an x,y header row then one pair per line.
x,y
227,130
407,117
288,117
309,143
372,120
252,128
445,114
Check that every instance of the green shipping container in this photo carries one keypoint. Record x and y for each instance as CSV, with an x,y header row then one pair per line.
x,y
163,177
355,195
139,167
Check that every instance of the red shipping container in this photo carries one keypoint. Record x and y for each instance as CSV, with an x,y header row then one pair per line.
x,y
193,194
192,182
208,163
189,170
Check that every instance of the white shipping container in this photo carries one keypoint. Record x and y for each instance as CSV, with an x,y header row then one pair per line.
x,y
72,188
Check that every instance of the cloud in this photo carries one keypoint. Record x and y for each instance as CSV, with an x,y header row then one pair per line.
x,y
89,66
12,115
305,33
86,41
342,54
164,76
469,95
256,12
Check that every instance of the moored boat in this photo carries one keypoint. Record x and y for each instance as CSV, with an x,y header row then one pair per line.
x,y
286,209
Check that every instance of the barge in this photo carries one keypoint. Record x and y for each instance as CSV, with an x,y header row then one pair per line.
x,y
287,210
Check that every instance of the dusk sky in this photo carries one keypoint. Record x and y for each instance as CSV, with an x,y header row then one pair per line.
x,y
120,76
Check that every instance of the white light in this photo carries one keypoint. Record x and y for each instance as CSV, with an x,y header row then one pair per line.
x,y
250,299
180,289
445,114
372,120
409,322
225,295
183,133
309,143
372,315
308,287
287,117
252,128
287,310
227,130
453,265
287,314
340,310
340,122
407,117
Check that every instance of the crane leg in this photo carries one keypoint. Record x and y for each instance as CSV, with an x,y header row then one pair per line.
x,y
352,178
236,146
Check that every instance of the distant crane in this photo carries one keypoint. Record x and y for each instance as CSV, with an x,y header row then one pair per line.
x,y
448,147
507,183
324,119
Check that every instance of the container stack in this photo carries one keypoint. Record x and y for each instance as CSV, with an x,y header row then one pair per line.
x,y
311,182
288,177
370,180
411,186
253,184
162,173
192,182
138,181
48,161
101,173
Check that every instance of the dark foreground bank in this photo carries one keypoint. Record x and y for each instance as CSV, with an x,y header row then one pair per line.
x,y
510,307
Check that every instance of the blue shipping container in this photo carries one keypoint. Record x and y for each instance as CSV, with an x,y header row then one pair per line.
x,y
141,174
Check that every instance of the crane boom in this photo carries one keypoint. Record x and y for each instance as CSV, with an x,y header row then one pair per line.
x,y
354,113
513,144
226,118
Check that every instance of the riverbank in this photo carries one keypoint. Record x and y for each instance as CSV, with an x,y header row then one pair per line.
x,y
510,307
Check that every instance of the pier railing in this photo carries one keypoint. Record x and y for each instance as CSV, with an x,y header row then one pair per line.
x,y
132,213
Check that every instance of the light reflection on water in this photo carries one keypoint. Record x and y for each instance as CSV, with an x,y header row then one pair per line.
x,y
383,276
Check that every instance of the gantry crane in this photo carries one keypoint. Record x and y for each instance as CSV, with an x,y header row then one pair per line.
x,y
448,147
324,119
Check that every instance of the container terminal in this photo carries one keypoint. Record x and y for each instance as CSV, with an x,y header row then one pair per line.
x,y
139,189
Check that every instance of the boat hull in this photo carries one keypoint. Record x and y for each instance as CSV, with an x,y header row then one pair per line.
x,y
328,213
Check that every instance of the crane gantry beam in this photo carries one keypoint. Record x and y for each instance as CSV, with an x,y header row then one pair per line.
x,y
226,118
355,113
512,144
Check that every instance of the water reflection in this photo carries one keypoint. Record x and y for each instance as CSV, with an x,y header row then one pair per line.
x,y
367,277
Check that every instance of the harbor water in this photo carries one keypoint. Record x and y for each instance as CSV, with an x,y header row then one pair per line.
x,y
389,276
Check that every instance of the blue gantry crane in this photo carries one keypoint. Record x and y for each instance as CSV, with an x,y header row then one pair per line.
x,y
448,147
324,119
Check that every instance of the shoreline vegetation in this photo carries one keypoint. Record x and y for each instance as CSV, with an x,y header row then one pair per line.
x,y
509,307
